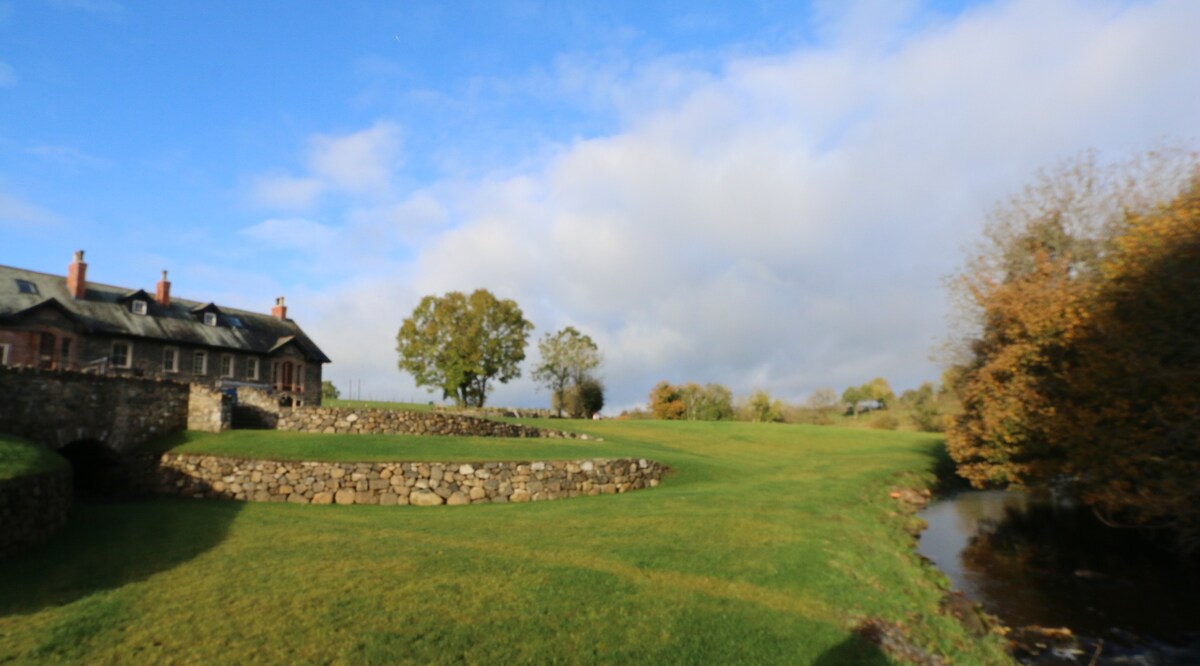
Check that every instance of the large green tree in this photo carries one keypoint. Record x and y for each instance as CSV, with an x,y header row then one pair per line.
x,y
461,344
568,357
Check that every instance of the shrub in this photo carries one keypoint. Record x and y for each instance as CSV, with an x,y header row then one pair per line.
x,y
884,422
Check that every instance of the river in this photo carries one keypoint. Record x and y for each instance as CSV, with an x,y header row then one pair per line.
x,y
1033,561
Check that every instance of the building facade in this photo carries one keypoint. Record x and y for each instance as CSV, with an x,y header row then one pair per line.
x,y
55,322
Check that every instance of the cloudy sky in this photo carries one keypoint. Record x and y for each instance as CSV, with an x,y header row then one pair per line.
x,y
763,194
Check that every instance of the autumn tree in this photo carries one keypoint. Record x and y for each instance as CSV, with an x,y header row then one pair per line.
x,y
1084,296
461,344
1129,422
666,402
568,357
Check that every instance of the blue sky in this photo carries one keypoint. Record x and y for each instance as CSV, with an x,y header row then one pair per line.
x,y
764,194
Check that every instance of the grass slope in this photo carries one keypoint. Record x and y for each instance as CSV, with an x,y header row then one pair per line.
x,y
766,545
21,457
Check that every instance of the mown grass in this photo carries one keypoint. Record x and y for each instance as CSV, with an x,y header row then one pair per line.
x,y
21,457
767,544
375,404
277,445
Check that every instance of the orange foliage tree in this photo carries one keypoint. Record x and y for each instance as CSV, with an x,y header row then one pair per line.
x,y
1087,355
666,401
1129,423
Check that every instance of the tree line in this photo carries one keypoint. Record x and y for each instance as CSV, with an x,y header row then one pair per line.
x,y
924,408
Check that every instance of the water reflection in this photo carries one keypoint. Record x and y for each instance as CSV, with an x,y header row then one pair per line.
x,y
1036,561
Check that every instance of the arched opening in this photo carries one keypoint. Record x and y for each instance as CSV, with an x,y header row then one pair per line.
x,y
96,468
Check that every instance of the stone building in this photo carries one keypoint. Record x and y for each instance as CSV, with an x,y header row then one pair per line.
x,y
54,322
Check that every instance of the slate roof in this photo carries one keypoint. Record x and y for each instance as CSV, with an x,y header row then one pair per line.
x,y
105,310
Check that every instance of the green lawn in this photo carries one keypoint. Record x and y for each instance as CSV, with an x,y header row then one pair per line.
x,y
375,404
21,457
766,545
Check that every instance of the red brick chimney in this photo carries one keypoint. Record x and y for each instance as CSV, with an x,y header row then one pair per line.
x,y
163,295
280,310
77,276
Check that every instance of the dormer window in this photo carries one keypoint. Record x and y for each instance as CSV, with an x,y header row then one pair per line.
x,y
210,319
138,307
26,287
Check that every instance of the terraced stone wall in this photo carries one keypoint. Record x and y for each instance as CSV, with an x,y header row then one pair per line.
x,y
33,508
393,483
394,422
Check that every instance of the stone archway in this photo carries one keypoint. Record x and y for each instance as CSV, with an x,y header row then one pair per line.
x,y
97,469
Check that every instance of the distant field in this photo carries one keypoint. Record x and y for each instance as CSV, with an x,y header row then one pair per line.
x,y
20,457
766,545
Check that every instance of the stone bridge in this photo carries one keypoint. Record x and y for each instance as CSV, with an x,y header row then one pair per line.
x,y
59,409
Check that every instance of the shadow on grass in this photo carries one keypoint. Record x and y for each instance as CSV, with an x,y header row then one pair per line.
x,y
110,543
854,651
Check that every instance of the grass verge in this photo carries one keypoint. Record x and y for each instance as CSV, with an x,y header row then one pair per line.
x,y
21,457
766,545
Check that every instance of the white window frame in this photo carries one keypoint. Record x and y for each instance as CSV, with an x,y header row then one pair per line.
x,y
138,307
174,366
112,354
232,372
4,348
202,368
252,368
210,319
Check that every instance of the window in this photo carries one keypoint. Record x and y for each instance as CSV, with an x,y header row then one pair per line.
x,y
227,365
210,319
252,369
170,359
138,307
4,354
64,353
122,355
26,287
200,363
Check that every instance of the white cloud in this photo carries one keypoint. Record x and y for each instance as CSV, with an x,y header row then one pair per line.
x,y
785,222
358,162
286,192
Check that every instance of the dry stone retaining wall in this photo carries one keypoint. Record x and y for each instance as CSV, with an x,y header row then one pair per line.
x,y
33,508
389,422
394,483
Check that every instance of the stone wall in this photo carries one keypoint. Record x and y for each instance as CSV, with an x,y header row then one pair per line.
x,y
393,483
33,508
388,422
208,410
56,408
